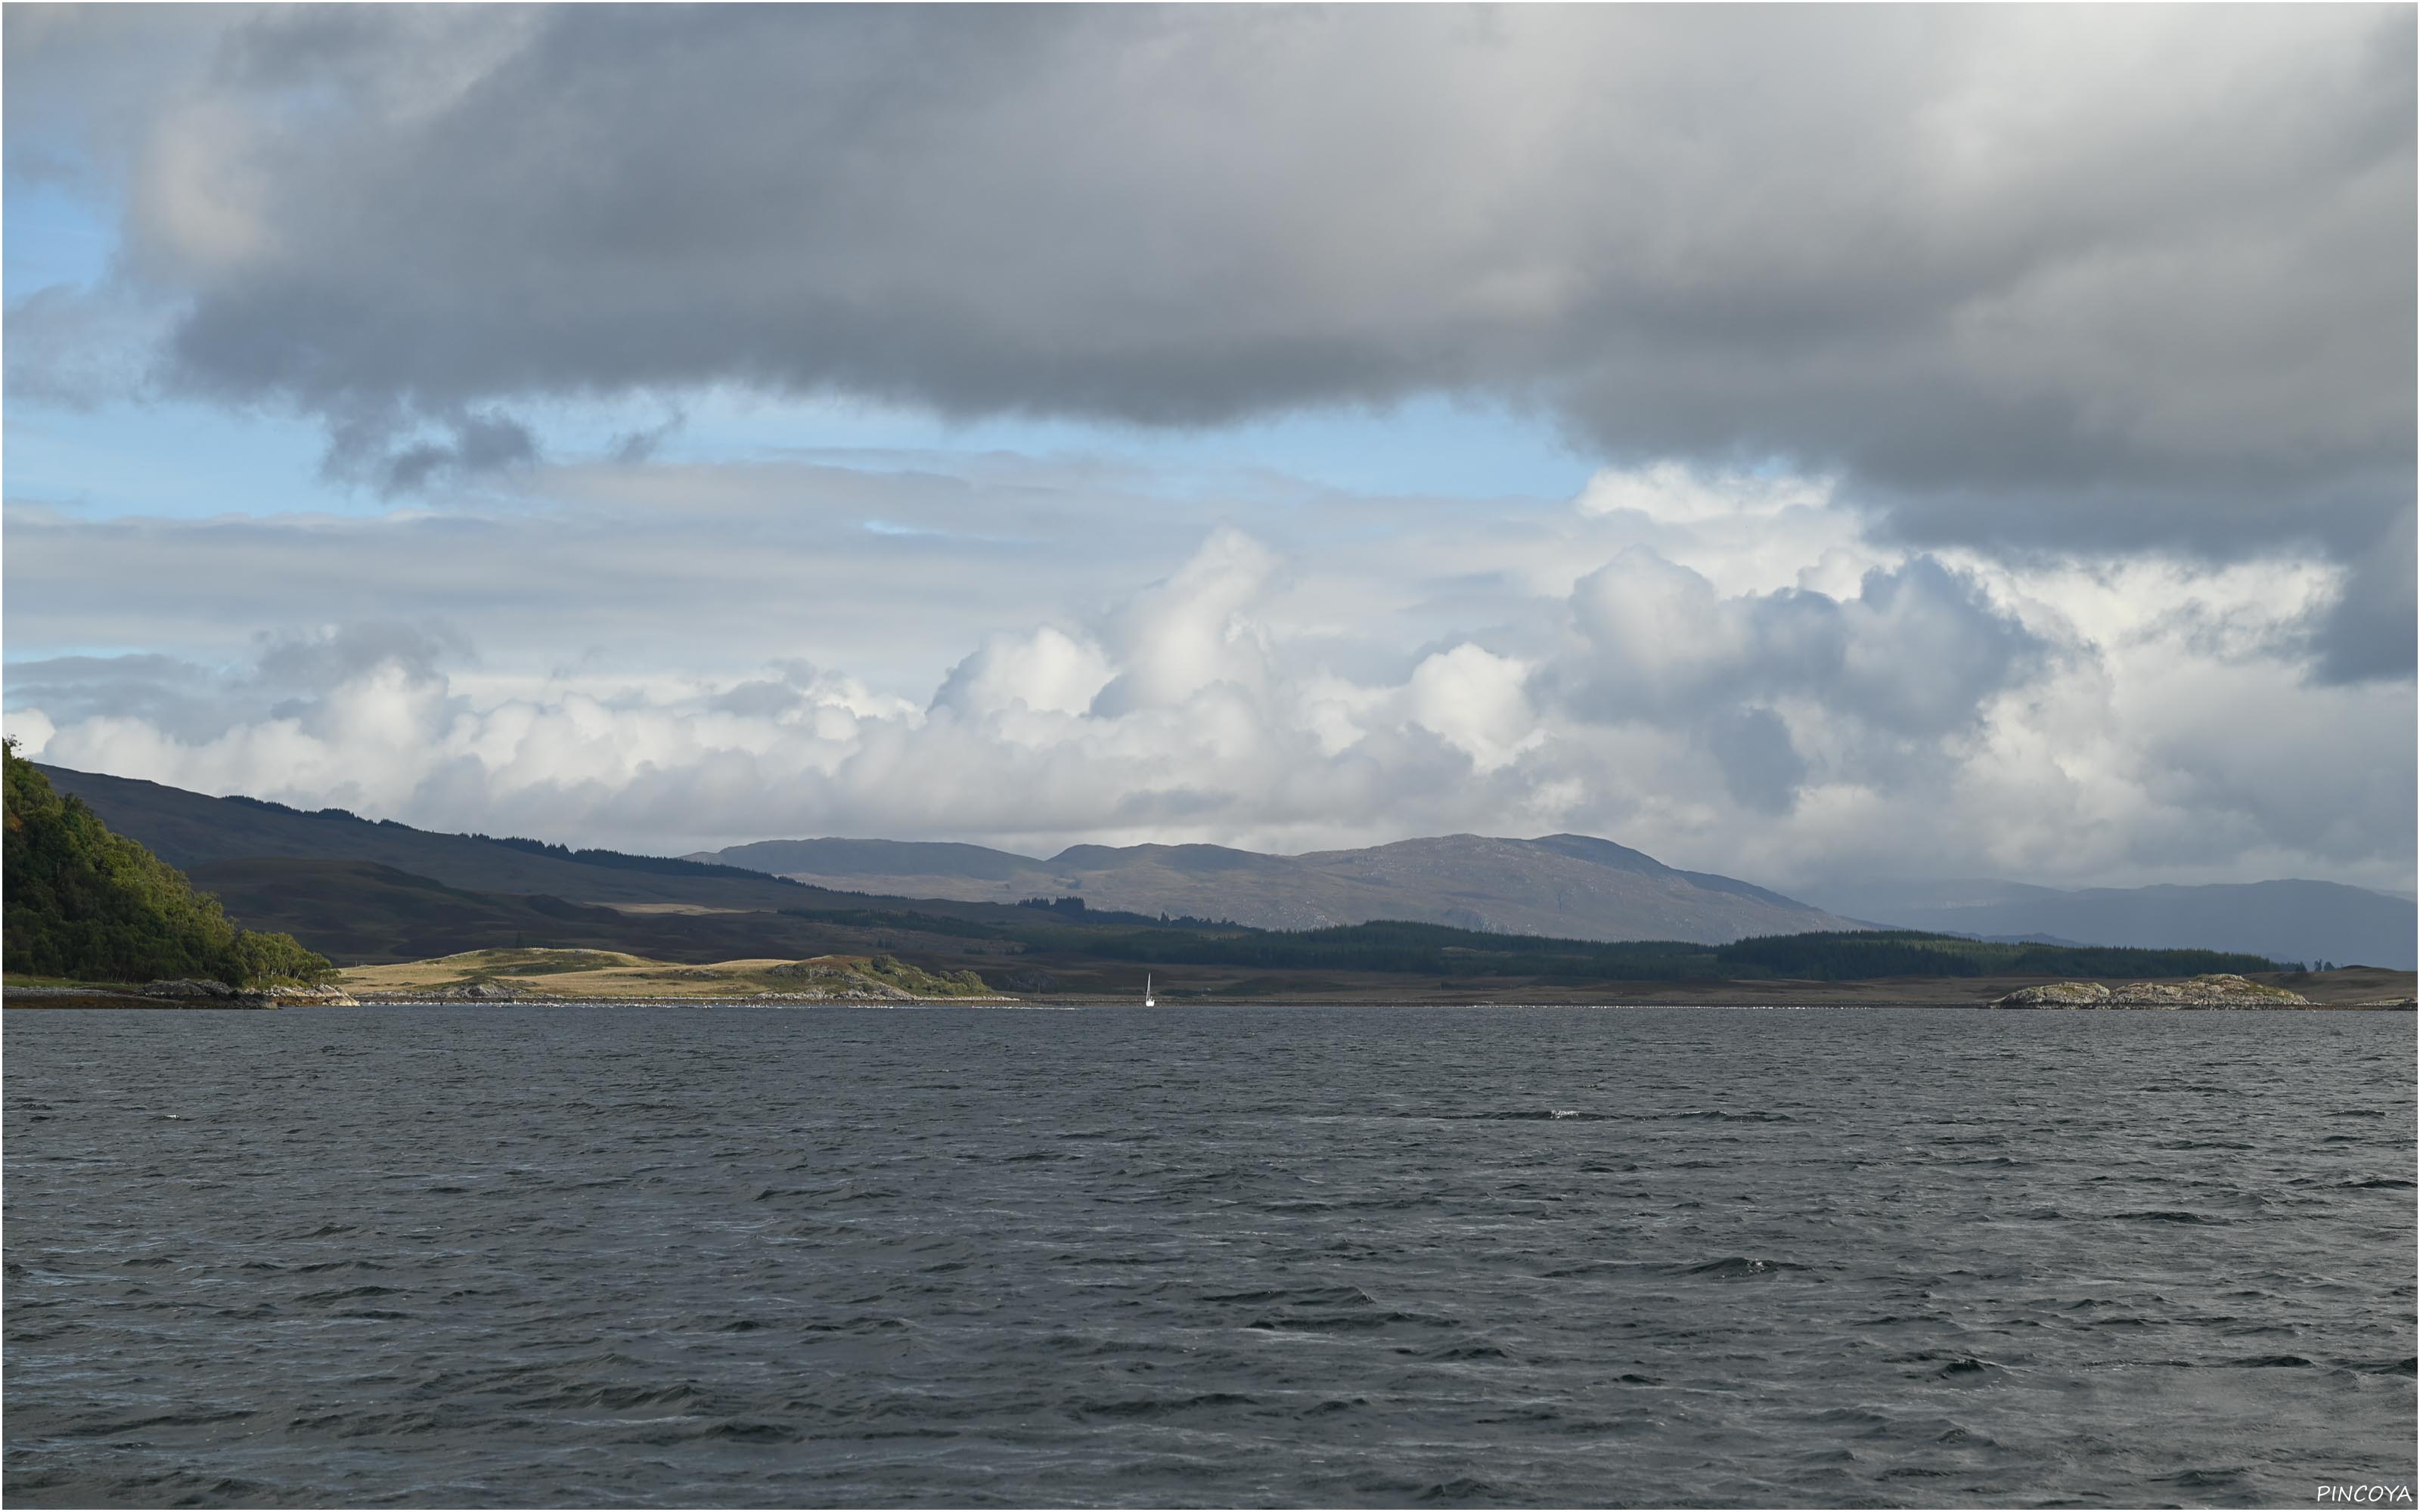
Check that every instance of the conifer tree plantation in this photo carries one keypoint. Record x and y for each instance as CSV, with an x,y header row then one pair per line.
x,y
91,906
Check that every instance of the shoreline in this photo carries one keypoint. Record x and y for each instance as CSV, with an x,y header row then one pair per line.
x,y
452,981
31,999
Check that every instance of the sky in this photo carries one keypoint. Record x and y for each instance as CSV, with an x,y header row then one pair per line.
x,y
1813,444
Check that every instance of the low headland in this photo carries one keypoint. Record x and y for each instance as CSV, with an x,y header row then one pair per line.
x,y
616,975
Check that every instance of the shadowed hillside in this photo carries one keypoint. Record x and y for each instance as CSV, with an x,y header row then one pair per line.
x,y
193,831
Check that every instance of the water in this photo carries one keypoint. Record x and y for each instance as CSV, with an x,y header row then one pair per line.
x,y
617,1256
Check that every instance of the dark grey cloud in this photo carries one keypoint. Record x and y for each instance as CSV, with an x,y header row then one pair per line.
x,y
2058,275
385,451
2029,278
2367,634
1761,767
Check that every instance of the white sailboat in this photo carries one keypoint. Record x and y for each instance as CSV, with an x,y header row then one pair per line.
x,y
1146,991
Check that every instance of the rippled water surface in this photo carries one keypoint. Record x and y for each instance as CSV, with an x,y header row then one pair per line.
x,y
1217,1256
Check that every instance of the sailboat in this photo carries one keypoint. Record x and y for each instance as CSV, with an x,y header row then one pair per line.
x,y
1146,991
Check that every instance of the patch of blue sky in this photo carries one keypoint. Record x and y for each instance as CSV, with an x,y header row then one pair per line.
x,y
183,459
50,235
171,459
1430,445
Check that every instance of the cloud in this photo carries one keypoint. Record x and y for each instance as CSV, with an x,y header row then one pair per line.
x,y
168,693
1477,702
385,451
2050,278
1188,632
1761,767
1669,491
31,728
79,348
311,662
282,670
1917,651
1045,672
2366,634
2074,724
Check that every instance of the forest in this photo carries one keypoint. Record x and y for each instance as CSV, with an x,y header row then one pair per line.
x,y
1436,950
89,905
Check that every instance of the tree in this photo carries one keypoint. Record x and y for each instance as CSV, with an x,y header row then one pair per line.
x,y
86,904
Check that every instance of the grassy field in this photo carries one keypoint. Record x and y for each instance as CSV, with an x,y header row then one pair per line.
x,y
616,973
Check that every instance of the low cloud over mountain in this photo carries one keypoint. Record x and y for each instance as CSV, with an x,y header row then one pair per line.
x,y
1752,689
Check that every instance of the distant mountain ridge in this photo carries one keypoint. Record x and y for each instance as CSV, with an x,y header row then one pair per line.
x,y
2285,920
419,884
1571,886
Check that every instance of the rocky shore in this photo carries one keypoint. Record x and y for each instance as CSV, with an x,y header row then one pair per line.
x,y
460,991
2223,989
188,991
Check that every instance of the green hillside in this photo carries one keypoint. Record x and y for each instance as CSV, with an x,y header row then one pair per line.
x,y
90,906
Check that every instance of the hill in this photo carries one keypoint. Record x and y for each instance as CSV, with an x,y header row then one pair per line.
x,y
1567,885
193,830
2288,920
89,905
493,895
360,911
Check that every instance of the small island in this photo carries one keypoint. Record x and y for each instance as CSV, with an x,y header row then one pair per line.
x,y
2224,989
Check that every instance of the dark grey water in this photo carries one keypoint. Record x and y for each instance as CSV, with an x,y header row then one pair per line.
x,y
1311,1256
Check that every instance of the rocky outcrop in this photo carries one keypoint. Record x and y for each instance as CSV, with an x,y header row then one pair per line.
x,y
818,983
474,991
2221,990
323,996
194,989
2057,994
